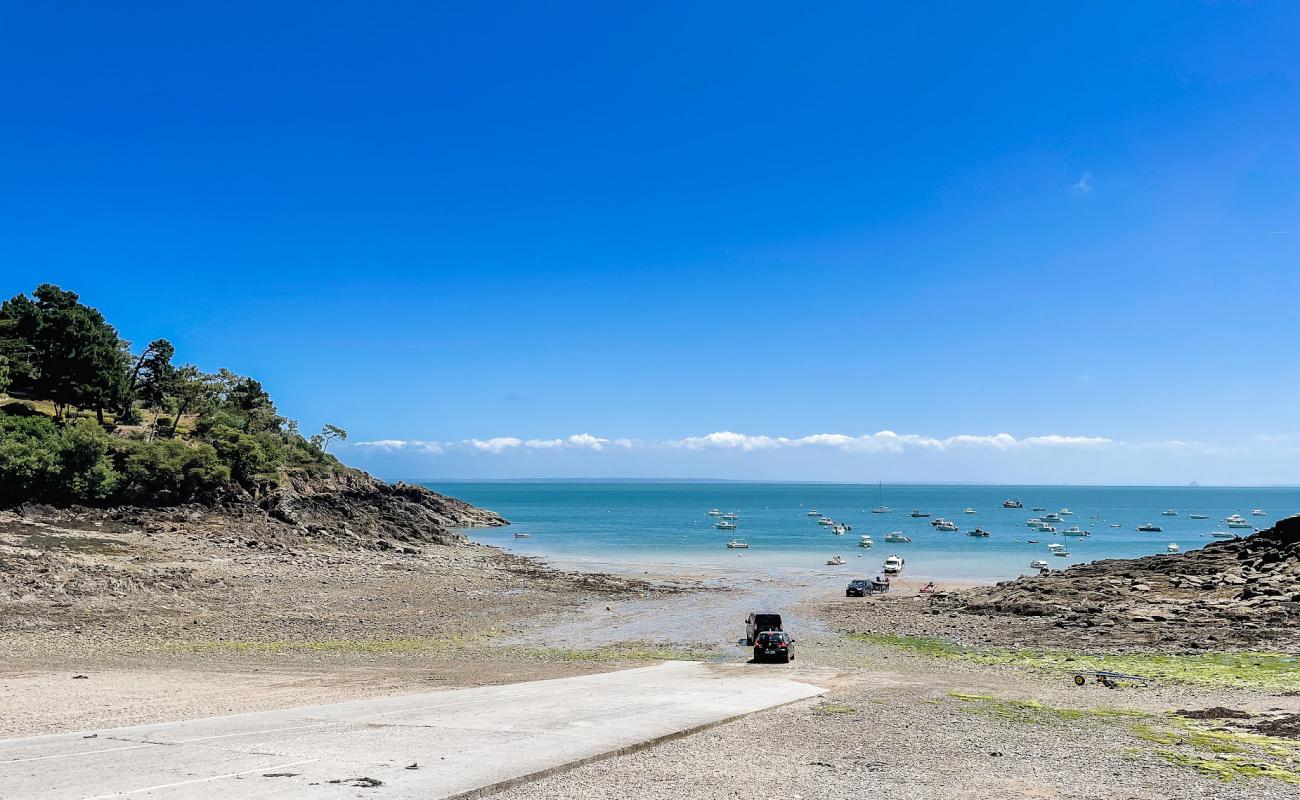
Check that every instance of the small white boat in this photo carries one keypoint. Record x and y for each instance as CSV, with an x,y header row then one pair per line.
x,y
724,525
1034,522
813,513
1149,527
1012,504
713,512
1061,553
881,510
1171,547
1255,512
730,515
866,541
834,562
919,514
1169,512
839,530
1052,517
522,535
1047,529
1115,525
897,536
825,521
736,544
1065,512
969,510
1032,541
979,532
945,525
1038,563
1198,516
1223,534
1055,546
893,565
1037,508
1237,521
1075,530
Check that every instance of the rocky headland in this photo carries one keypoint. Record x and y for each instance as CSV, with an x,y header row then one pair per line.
x,y
1231,595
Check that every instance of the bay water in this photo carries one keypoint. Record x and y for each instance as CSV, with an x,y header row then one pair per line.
x,y
667,523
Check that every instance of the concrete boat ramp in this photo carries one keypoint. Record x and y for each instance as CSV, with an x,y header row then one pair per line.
x,y
450,744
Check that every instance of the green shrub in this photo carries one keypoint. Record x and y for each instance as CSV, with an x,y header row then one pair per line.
x,y
29,457
169,469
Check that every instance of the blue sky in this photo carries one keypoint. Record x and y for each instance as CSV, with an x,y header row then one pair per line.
x,y
440,225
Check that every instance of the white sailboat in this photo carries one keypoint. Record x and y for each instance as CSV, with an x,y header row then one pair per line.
x,y
880,508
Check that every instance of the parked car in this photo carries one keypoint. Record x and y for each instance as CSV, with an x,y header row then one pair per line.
x,y
774,646
757,622
858,588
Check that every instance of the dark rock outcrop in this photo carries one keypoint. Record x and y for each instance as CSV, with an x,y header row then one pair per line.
x,y
1236,592
346,508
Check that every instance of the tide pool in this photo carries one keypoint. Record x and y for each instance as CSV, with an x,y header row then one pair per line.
x,y
667,523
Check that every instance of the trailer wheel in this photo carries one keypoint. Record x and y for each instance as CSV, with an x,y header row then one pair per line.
x,y
1079,680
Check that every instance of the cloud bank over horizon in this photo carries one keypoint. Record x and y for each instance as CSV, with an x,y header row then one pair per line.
x,y
963,457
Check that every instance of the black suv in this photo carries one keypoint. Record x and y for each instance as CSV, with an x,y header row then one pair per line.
x,y
858,588
775,646
758,622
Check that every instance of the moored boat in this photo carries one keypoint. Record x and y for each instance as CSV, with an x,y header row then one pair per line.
x,y
1012,504
897,536
834,562
1149,527
736,544
724,525
980,532
1038,563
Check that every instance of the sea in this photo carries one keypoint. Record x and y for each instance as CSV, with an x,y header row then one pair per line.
x,y
668,523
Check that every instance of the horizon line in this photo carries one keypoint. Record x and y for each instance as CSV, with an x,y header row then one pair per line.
x,y
1190,485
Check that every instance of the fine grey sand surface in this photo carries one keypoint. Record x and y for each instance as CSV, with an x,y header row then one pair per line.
x,y
272,631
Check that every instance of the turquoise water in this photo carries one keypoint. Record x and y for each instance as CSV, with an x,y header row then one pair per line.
x,y
666,523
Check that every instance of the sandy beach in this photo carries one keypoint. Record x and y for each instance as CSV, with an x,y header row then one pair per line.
x,y
249,630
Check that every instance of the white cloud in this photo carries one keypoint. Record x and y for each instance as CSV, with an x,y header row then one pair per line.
x,y
882,441
494,445
544,444
1001,441
1084,184
1055,440
728,440
391,445
885,441
588,441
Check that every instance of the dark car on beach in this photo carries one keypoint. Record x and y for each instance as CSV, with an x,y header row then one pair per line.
x,y
858,588
758,622
774,646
